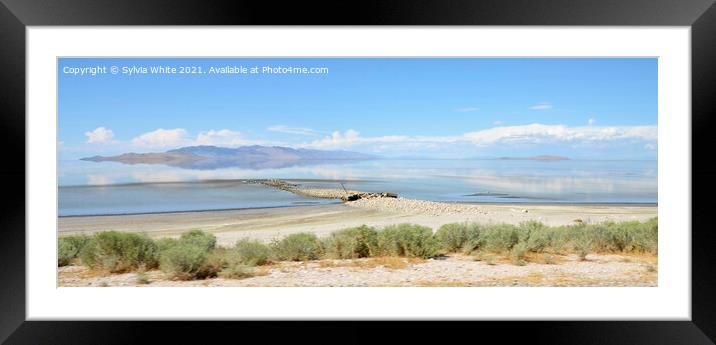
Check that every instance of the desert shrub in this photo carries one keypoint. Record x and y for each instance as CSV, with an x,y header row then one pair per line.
x,y
535,235
526,229
249,252
69,248
647,238
186,261
459,236
359,242
119,251
517,253
297,247
452,237
199,238
499,237
193,256
583,239
634,236
408,240
166,243
559,238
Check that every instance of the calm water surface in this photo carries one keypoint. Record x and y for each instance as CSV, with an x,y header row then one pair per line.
x,y
88,188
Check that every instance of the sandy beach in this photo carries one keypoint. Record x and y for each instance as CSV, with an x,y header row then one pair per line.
x,y
269,223
453,270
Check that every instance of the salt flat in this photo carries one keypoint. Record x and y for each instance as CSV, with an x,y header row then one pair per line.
x,y
269,223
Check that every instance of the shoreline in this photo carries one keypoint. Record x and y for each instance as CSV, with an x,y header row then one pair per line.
x,y
196,211
266,224
478,203
372,209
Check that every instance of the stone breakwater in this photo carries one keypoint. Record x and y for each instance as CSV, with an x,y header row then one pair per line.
x,y
324,193
377,201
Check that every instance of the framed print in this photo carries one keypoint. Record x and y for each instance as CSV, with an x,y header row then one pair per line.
x,y
471,162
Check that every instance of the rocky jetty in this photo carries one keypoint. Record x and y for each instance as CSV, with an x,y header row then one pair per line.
x,y
326,193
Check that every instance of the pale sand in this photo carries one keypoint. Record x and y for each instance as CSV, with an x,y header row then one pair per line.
x,y
271,223
454,270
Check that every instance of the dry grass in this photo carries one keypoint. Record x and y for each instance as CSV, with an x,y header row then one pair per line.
x,y
84,272
390,262
545,258
539,279
262,271
452,283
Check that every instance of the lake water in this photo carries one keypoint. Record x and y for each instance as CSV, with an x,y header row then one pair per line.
x,y
89,188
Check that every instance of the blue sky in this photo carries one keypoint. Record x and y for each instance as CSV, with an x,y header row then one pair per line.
x,y
581,108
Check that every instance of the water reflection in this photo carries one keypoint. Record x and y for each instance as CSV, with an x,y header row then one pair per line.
x,y
447,180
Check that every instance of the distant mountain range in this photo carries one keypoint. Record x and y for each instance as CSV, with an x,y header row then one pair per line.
x,y
250,157
535,158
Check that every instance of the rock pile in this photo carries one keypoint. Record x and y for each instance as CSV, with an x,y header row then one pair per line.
x,y
414,206
326,193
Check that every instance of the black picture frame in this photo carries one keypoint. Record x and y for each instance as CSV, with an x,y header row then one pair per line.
x,y
16,15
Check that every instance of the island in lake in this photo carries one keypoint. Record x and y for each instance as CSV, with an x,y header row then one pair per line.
x,y
251,157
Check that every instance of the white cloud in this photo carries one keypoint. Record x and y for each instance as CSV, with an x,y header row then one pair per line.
x,y
591,122
536,133
292,130
100,135
541,106
223,137
168,138
467,109
162,138
337,139
530,134
498,123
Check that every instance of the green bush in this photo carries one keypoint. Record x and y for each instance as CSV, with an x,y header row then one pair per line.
x,y
69,248
459,237
199,238
166,243
186,261
583,240
249,252
635,236
534,234
517,254
408,240
297,247
499,238
359,242
119,251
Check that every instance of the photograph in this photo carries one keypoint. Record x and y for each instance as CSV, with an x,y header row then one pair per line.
x,y
348,172
496,168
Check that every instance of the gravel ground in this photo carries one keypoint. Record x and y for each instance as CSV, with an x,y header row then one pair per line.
x,y
454,270
421,206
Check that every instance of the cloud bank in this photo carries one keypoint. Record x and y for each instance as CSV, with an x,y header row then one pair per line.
x,y
586,140
166,138
524,134
100,135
